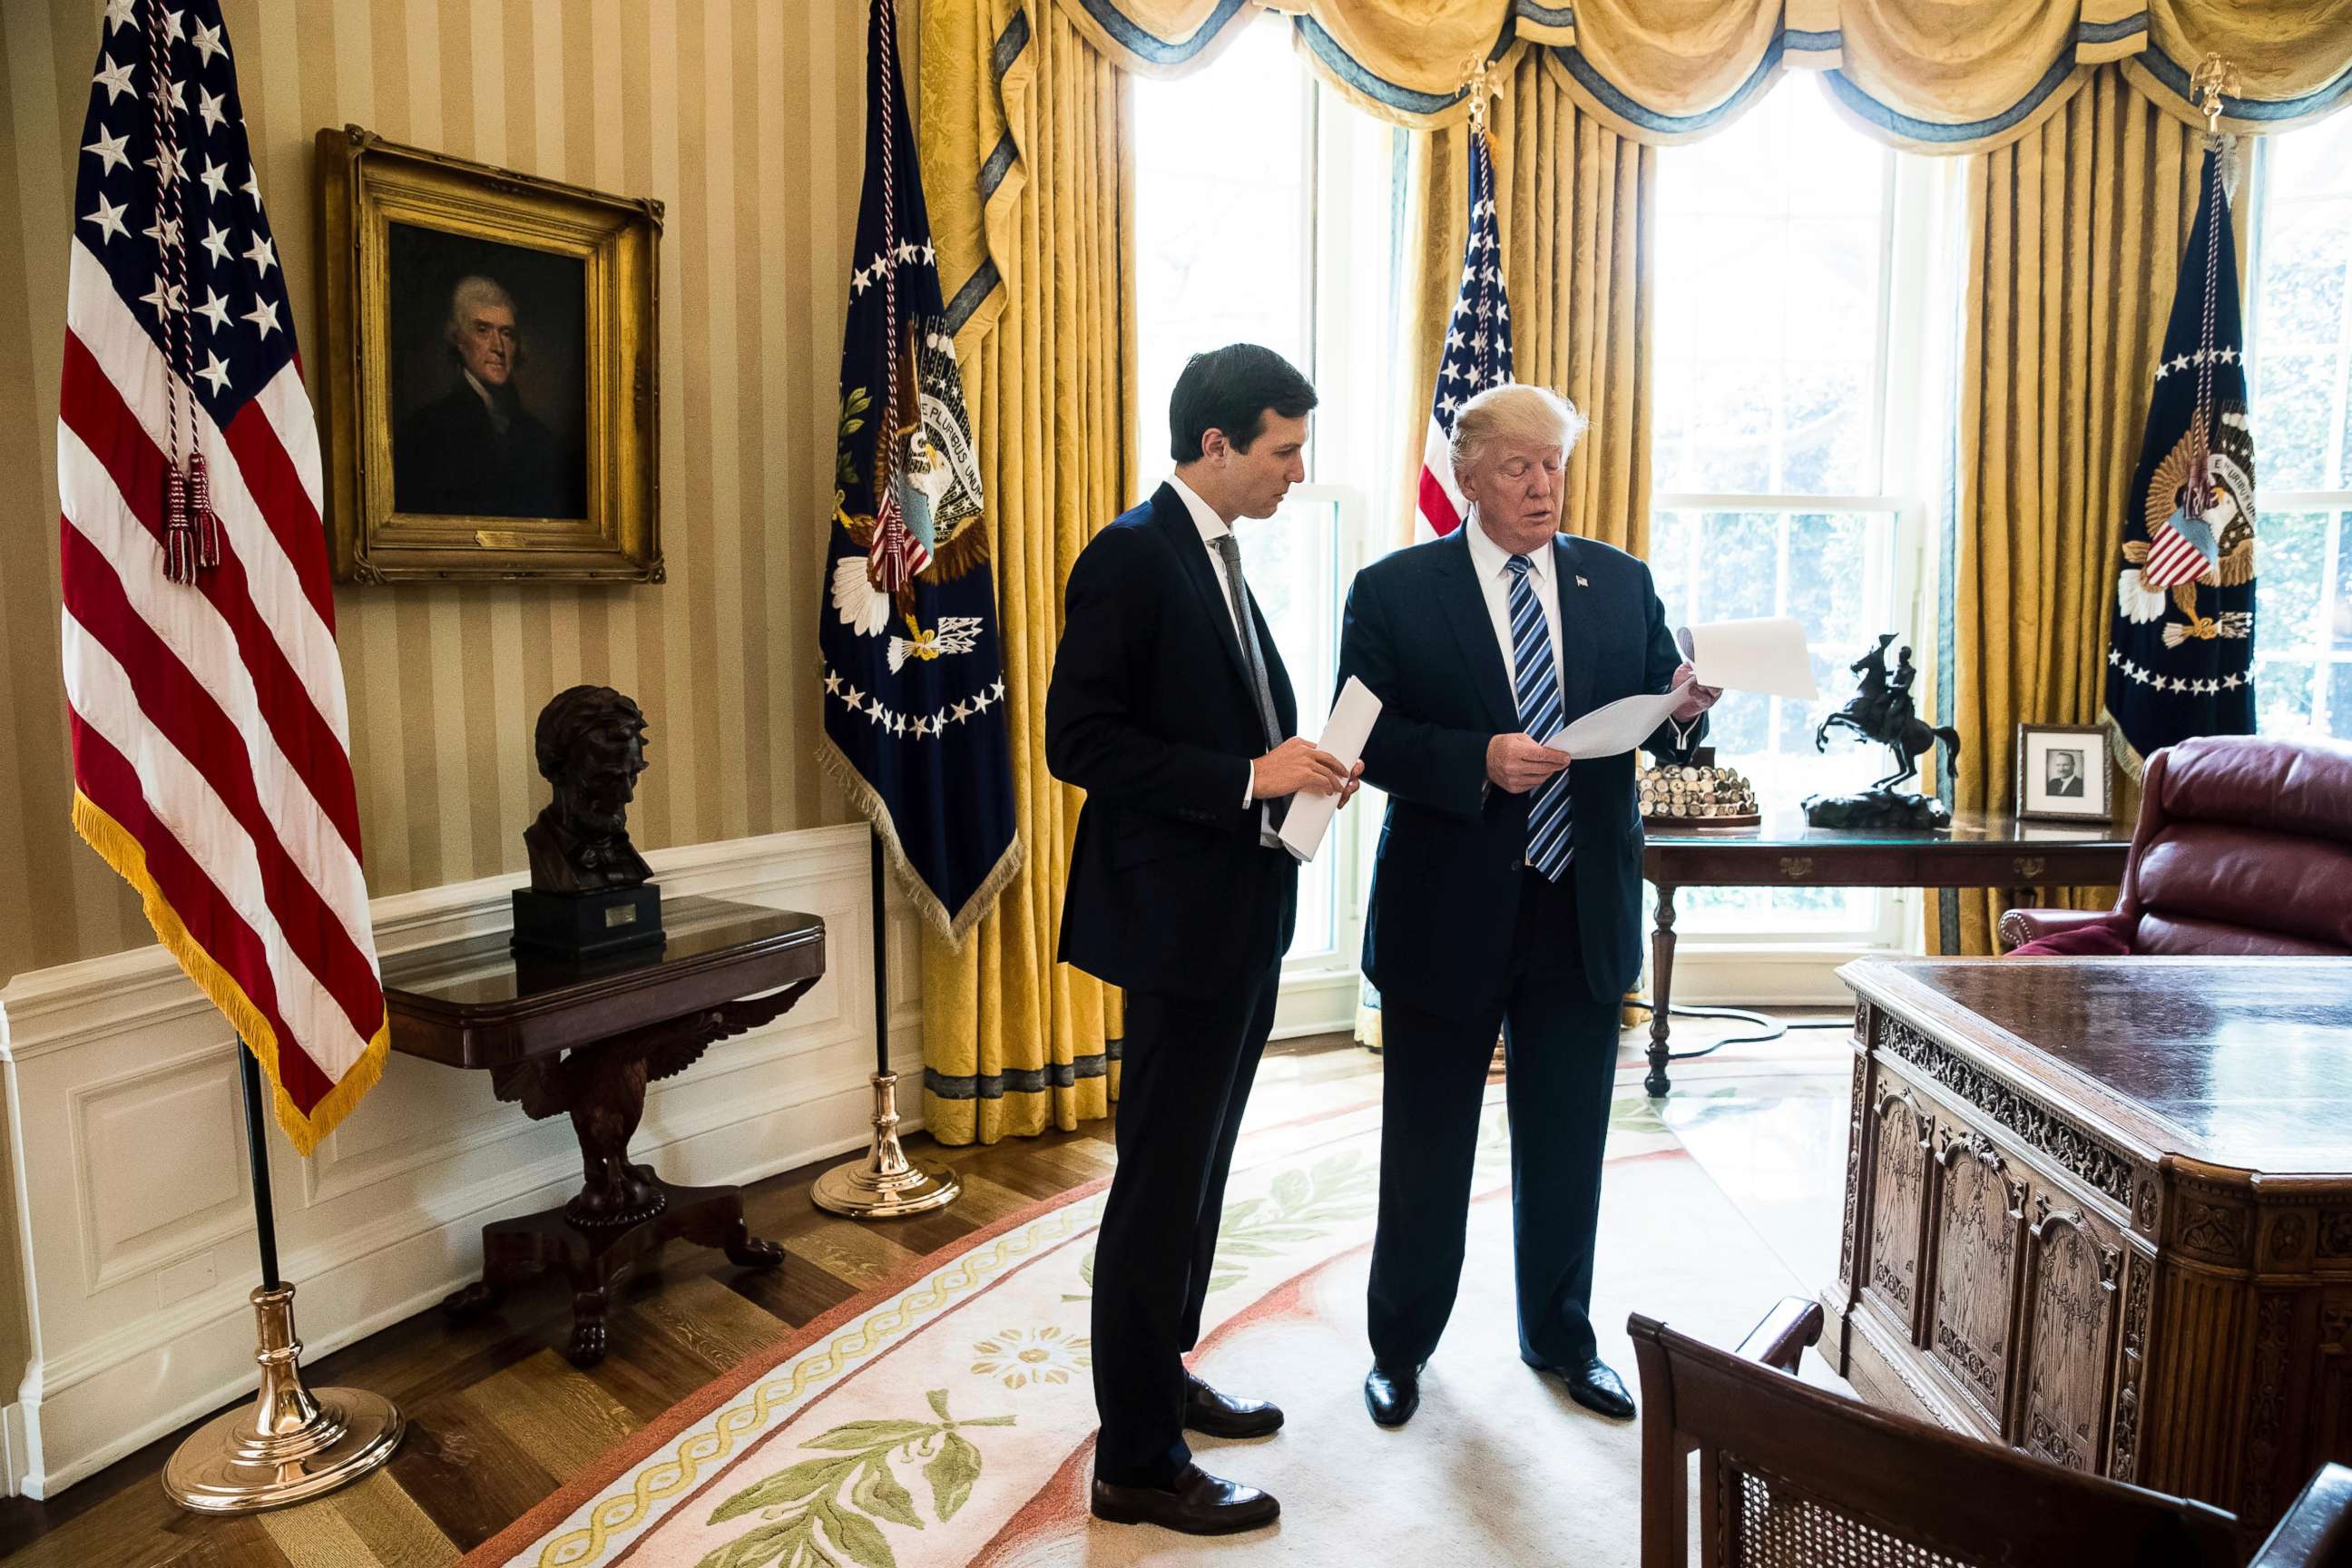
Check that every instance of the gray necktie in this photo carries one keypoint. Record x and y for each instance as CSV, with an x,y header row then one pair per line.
x,y
1229,550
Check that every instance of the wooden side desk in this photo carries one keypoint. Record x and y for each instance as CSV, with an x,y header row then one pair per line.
x,y
583,1041
2100,1209
1977,851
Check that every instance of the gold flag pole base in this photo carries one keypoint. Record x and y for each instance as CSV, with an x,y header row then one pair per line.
x,y
289,1445
886,1183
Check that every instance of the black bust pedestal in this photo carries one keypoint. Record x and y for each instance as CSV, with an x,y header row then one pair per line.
x,y
587,925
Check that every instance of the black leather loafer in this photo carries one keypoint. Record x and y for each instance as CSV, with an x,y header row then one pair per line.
x,y
1194,1503
1392,1393
1596,1387
1222,1415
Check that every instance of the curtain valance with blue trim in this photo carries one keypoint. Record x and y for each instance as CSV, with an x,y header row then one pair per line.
x,y
1938,76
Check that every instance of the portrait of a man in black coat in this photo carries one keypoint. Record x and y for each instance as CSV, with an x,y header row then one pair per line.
x,y
478,451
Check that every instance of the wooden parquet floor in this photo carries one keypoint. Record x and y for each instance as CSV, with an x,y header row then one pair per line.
x,y
496,1415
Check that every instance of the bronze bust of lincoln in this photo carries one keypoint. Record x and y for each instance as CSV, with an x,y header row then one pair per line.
x,y
591,745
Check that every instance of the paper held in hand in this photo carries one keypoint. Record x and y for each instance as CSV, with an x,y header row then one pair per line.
x,y
1762,656
1766,656
1344,734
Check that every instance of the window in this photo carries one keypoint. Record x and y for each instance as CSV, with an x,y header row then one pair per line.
x,y
2299,339
1798,396
1266,210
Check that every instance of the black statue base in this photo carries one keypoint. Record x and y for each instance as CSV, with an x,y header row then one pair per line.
x,y
587,925
1876,808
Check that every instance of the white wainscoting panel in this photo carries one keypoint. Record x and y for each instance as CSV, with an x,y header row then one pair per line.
x,y
135,1211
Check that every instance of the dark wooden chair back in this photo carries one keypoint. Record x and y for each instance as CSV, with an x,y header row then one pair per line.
x,y
1790,1475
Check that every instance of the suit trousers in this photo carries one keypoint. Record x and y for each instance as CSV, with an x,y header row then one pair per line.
x,y
1559,1045
1185,1073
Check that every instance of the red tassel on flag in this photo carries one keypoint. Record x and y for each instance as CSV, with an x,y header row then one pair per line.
x,y
201,513
179,528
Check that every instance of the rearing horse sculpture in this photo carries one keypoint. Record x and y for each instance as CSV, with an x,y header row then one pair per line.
x,y
1881,712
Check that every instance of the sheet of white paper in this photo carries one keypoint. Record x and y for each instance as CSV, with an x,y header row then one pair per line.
x,y
1344,734
1766,656
1619,726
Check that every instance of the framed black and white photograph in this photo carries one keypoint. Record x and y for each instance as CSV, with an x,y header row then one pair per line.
x,y
2063,773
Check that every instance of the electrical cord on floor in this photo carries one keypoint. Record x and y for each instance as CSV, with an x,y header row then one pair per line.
x,y
1769,1028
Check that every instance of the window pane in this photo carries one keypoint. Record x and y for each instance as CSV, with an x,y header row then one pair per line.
x,y
1771,312
2282,697
2292,552
1222,220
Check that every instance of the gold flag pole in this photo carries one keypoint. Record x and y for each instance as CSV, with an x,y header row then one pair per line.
x,y
886,1183
289,1445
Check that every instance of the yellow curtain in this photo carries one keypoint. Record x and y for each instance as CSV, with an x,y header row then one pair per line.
x,y
2074,235
1027,152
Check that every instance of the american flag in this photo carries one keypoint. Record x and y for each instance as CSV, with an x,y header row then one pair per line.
x,y
1478,352
212,765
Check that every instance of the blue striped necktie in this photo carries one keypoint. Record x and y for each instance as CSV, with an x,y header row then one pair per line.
x,y
1551,844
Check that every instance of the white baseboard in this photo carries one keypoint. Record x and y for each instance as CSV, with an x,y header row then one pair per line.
x,y
134,1215
1797,975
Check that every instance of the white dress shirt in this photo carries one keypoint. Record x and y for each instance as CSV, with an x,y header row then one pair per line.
x,y
1492,563
1214,528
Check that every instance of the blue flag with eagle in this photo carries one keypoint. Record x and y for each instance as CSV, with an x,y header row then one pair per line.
x,y
914,693
2180,644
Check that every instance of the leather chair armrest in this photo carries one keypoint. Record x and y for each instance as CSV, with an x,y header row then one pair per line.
x,y
2020,926
1779,1341
2317,1530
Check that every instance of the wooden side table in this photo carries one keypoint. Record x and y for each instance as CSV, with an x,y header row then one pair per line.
x,y
1979,850
583,1042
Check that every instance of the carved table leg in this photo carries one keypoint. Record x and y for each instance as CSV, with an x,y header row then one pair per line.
x,y
1662,985
588,1333
607,1094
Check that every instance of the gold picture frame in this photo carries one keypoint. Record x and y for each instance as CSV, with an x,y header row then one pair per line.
x,y
2064,773
490,385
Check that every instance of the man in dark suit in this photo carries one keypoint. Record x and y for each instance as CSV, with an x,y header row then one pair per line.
x,y
2064,780
477,451
1506,893
1170,707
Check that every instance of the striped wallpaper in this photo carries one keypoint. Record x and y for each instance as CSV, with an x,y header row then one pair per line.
x,y
744,117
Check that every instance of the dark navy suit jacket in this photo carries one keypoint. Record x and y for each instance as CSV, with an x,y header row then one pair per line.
x,y
1445,887
1150,712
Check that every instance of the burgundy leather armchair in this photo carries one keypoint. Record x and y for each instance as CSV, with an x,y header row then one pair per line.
x,y
2243,845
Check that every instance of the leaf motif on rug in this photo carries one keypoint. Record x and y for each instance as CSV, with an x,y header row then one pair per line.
x,y
805,1524
1303,1207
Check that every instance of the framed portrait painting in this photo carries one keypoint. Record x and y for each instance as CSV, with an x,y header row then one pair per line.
x,y
2063,773
490,384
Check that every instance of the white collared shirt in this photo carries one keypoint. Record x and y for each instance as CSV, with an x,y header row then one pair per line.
x,y
1214,528
1492,563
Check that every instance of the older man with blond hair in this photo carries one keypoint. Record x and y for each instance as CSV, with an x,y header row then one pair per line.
x,y
1506,895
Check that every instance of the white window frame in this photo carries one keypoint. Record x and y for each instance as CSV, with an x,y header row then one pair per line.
x,y
2329,662
1912,405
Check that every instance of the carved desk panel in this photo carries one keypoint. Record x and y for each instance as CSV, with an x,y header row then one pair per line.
x,y
2101,1210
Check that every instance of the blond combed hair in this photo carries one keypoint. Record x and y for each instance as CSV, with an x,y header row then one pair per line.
x,y
1513,412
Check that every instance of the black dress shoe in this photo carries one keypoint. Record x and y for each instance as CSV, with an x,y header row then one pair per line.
x,y
1392,1395
1599,1390
1195,1502
1222,1415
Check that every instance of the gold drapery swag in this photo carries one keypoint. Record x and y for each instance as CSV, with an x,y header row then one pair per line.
x,y
1940,76
1026,148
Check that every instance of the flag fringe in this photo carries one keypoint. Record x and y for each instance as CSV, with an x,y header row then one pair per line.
x,y
2126,757
117,847
953,928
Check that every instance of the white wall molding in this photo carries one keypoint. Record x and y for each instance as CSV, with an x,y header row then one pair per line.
x,y
134,1223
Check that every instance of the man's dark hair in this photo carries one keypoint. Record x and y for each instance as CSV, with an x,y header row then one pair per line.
x,y
1231,389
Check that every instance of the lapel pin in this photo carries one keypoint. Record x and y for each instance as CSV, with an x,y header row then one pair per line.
x,y
1583,584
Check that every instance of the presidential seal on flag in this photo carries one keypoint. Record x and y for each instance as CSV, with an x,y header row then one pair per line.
x,y
914,695
2180,637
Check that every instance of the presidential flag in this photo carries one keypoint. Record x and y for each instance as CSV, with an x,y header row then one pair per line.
x,y
2181,637
211,754
914,694
1478,352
